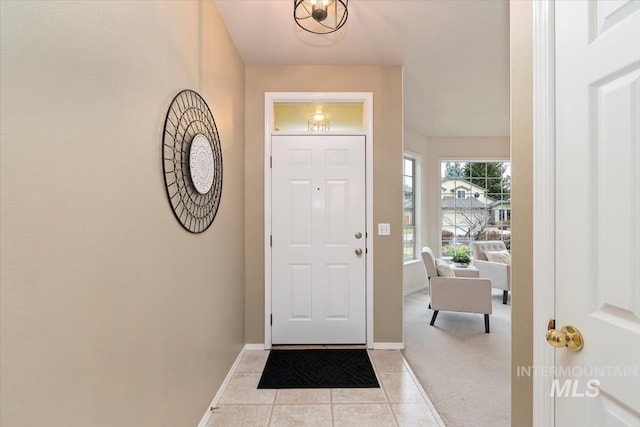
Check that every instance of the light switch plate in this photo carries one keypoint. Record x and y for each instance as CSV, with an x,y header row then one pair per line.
x,y
384,229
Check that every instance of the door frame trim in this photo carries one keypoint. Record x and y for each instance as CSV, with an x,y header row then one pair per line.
x,y
367,99
544,209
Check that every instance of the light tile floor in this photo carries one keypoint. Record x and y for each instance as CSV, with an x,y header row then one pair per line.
x,y
400,401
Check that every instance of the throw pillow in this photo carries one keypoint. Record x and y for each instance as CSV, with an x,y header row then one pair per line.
x,y
503,257
444,269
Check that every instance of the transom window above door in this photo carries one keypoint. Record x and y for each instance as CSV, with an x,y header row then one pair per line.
x,y
318,117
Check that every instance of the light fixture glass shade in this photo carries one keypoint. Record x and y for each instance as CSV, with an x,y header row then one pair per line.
x,y
319,122
320,16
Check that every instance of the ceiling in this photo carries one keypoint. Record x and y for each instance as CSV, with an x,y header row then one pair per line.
x,y
455,54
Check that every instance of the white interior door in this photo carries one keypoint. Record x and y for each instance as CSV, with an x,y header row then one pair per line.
x,y
318,240
598,211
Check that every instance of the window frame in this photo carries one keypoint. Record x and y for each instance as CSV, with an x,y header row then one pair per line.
x,y
416,160
490,213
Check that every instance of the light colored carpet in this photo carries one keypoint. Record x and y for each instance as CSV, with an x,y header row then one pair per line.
x,y
464,371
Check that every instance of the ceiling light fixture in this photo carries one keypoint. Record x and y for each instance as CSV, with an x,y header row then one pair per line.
x,y
319,122
320,16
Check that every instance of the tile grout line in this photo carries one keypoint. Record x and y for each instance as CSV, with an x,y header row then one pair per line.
x,y
270,415
331,405
273,402
375,369
384,389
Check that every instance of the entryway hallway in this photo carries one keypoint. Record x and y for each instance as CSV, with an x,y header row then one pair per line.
x,y
400,400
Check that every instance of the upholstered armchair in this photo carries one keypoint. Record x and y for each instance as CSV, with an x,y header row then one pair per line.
x,y
450,293
493,261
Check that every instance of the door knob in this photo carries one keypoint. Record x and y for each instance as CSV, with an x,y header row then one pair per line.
x,y
358,251
358,235
569,336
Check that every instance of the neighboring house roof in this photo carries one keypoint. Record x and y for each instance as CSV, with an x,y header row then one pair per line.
x,y
506,204
454,183
469,203
451,185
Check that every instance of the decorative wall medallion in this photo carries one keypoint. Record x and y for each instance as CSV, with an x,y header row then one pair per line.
x,y
192,161
201,164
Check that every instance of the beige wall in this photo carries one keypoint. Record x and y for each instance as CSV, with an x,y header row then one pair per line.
x,y
434,150
522,208
417,144
112,313
386,85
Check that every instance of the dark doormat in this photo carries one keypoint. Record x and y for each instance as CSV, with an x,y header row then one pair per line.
x,y
322,368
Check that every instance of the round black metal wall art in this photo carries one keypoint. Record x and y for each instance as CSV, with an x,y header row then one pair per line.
x,y
192,161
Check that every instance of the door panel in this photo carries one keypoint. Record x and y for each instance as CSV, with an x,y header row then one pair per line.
x,y
338,284
301,218
617,185
318,206
299,287
597,210
337,212
607,14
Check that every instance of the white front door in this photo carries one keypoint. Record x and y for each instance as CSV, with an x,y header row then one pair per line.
x,y
318,240
598,211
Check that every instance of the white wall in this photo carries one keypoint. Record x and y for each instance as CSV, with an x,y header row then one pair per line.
x,y
439,149
433,151
414,275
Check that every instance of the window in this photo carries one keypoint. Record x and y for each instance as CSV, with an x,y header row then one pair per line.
x,y
486,213
409,217
505,215
318,117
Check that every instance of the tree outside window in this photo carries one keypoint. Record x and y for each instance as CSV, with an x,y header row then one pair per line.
x,y
484,210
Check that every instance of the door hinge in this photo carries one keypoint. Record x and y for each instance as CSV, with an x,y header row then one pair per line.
x,y
271,240
551,324
270,161
271,321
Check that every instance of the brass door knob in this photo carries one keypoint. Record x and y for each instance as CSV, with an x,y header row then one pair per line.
x,y
569,336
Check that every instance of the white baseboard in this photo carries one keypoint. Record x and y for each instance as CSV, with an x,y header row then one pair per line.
x,y
225,383
413,289
253,347
388,346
